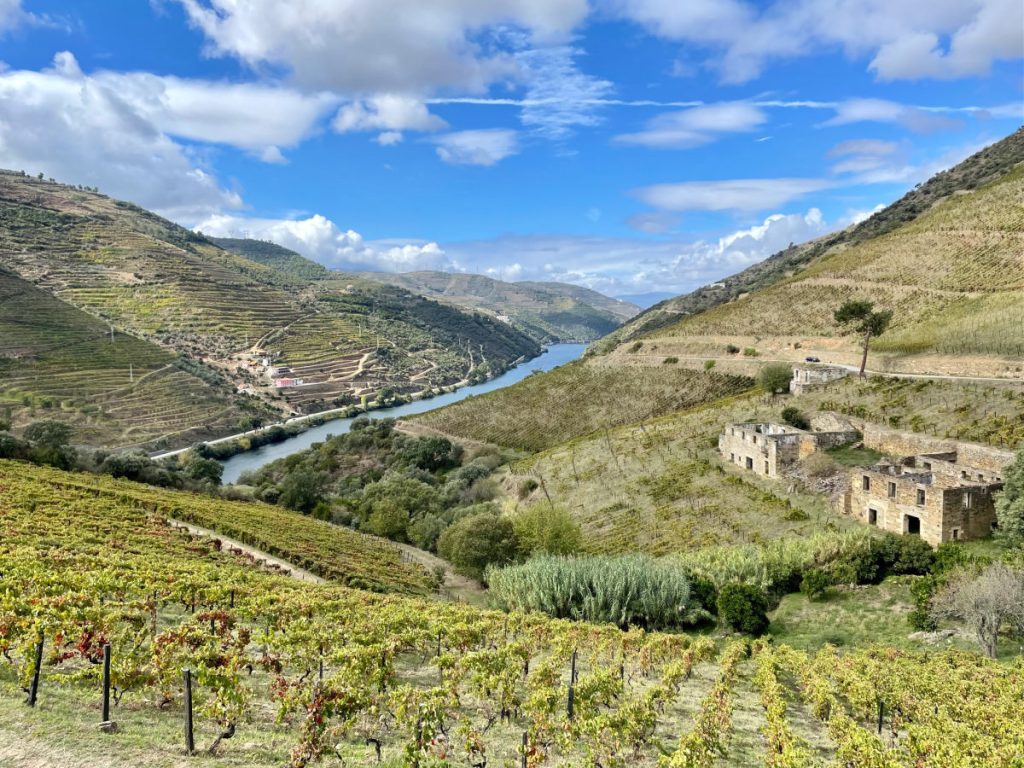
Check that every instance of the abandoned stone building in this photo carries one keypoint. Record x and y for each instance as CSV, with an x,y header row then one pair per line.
x,y
808,377
769,449
934,495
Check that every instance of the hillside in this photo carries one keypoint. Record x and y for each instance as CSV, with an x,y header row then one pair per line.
x,y
297,674
59,362
948,258
146,277
549,312
276,257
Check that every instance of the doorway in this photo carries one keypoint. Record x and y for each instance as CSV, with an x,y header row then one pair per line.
x,y
912,525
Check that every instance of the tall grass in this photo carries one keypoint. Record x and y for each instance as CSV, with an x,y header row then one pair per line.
x,y
633,590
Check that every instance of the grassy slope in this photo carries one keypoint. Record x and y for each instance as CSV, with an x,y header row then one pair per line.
x,y
659,487
547,311
954,278
986,166
577,399
277,257
58,362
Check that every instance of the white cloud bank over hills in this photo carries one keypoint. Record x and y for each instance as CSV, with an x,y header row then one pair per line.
x,y
612,265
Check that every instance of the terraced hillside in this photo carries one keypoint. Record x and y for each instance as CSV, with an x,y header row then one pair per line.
x,y
948,259
287,673
284,260
659,486
59,362
549,312
239,320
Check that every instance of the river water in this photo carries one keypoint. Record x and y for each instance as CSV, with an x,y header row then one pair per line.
x,y
552,357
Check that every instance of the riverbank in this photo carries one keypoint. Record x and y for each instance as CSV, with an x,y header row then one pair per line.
x,y
254,458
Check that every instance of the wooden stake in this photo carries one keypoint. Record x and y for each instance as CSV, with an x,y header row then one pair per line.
x,y
33,689
190,742
526,749
106,682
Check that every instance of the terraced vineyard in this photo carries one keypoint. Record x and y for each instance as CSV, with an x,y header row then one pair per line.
x,y
58,362
658,486
577,399
288,673
127,269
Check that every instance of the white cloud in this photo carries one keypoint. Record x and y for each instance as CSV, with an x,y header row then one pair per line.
x,y
697,126
559,97
729,194
632,265
654,222
387,112
94,131
390,138
479,147
918,119
320,239
400,46
904,39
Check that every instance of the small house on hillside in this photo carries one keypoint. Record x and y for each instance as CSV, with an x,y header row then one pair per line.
x,y
932,495
808,377
769,449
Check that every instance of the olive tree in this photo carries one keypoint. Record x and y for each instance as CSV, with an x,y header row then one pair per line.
x,y
985,601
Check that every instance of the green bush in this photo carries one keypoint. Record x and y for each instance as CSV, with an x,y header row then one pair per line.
x,y
815,584
478,541
750,352
670,361
541,529
709,364
775,378
744,608
795,417
732,349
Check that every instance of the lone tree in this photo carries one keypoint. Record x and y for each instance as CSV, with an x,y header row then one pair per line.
x,y
860,316
1010,503
985,601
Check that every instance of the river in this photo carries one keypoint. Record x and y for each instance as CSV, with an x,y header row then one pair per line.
x,y
552,357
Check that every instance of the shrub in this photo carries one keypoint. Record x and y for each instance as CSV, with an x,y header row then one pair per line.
x,y
819,465
637,347
629,590
1010,503
795,417
477,541
709,364
527,486
775,378
744,608
541,529
732,349
815,583
750,352
670,361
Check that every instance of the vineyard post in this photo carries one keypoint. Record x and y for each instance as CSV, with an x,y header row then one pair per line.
x,y
106,683
572,674
33,689
881,714
190,742
526,748
570,708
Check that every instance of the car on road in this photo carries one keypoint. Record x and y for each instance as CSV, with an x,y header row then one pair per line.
x,y
812,360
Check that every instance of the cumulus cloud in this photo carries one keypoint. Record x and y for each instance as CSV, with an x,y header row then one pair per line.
x,y
730,194
94,131
320,239
399,46
697,126
904,39
480,147
631,265
388,112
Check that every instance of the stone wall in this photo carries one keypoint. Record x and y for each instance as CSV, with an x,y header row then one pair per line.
x,y
896,443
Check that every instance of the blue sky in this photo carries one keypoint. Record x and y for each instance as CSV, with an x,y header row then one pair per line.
x,y
629,145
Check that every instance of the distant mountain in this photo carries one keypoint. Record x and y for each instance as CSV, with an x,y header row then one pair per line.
x,y
646,300
548,312
276,257
94,264
947,258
